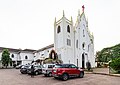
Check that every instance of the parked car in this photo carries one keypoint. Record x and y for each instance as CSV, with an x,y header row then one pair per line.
x,y
47,69
18,66
65,71
37,69
24,68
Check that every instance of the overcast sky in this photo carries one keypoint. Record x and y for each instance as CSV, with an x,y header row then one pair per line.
x,y
30,23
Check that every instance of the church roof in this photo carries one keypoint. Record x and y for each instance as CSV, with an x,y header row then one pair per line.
x,y
63,17
16,50
44,48
28,50
10,49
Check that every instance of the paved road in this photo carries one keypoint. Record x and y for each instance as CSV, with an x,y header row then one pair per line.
x,y
14,77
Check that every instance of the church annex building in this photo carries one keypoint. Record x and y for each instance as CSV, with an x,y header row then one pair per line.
x,y
72,43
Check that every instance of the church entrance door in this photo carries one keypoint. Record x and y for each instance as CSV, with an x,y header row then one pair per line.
x,y
83,60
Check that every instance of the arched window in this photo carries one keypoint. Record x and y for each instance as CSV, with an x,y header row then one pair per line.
x,y
83,33
83,46
12,55
26,57
68,28
58,29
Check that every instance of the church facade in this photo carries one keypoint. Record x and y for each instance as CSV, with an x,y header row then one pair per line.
x,y
74,43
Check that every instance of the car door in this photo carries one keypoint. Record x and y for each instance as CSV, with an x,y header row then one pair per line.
x,y
74,70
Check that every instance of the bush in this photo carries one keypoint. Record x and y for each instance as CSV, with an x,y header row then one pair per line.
x,y
48,60
115,64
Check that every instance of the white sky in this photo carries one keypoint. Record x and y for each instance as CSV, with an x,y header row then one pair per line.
x,y
30,23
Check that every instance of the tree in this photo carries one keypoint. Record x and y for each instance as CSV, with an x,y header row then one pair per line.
x,y
115,64
109,53
5,58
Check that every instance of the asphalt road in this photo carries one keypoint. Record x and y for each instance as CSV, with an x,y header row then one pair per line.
x,y
14,77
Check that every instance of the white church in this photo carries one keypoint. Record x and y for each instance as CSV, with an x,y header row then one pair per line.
x,y
73,43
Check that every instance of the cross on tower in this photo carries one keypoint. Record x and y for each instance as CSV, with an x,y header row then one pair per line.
x,y
83,8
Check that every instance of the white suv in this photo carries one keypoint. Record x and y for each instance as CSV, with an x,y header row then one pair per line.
x,y
47,69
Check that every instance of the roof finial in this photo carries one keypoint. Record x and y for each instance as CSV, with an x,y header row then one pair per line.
x,y
63,13
55,21
83,8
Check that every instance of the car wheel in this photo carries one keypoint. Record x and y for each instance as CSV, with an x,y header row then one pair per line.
x,y
81,74
56,77
40,72
50,74
45,75
36,73
65,77
21,72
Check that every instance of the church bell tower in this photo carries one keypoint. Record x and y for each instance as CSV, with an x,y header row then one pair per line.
x,y
64,39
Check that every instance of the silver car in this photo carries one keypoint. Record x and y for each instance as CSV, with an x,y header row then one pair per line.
x,y
47,69
37,69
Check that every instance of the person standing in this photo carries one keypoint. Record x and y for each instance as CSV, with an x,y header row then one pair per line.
x,y
88,65
32,71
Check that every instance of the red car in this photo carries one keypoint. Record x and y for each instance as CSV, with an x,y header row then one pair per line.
x,y
65,71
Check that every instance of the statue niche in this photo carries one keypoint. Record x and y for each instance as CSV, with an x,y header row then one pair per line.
x,y
53,55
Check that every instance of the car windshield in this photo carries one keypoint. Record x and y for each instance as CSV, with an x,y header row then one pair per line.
x,y
61,66
58,66
51,66
25,66
38,66
48,65
22,66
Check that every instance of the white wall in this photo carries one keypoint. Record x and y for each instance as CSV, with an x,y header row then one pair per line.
x,y
29,55
43,54
15,58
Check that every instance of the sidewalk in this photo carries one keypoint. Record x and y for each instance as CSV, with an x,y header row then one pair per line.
x,y
102,71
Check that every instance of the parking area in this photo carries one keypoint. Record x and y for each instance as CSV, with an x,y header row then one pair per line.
x,y
14,77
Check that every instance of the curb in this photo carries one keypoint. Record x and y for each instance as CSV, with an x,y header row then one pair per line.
x,y
103,74
106,74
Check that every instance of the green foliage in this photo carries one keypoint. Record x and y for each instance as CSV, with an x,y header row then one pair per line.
x,y
107,54
5,58
48,60
115,64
